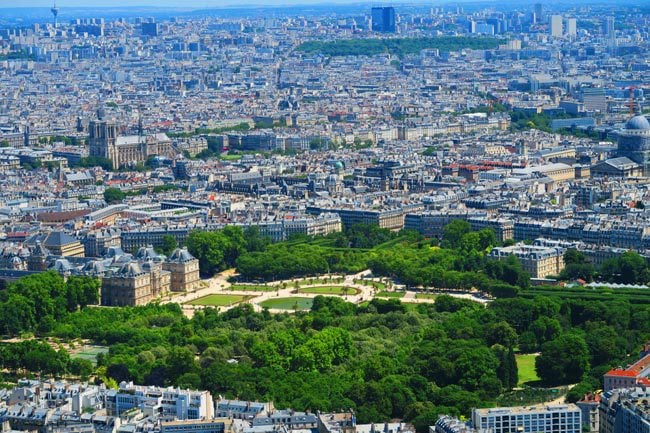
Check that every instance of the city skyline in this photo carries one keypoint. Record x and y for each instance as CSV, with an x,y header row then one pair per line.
x,y
251,3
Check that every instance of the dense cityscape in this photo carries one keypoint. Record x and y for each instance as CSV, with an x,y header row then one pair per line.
x,y
330,218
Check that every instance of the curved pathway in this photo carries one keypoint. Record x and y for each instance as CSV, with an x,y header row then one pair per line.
x,y
219,285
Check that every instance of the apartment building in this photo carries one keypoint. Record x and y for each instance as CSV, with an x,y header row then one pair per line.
x,y
629,377
625,411
169,403
538,261
529,419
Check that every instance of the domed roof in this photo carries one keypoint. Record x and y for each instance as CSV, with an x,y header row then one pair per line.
x,y
638,122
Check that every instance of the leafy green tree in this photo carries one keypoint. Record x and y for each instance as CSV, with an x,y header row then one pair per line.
x,y
453,233
605,344
501,333
577,266
545,329
475,366
629,268
563,360
114,195
254,239
507,371
168,245
81,367
82,291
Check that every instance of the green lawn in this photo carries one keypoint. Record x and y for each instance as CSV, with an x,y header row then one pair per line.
x,y
219,300
288,303
426,296
252,288
314,281
229,157
90,353
376,284
386,294
526,367
330,290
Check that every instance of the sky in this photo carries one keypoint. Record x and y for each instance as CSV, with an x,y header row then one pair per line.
x,y
168,3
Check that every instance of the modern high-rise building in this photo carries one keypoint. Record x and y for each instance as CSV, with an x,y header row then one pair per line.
x,y
383,19
608,27
556,26
529,419
538,13
571,27
610,31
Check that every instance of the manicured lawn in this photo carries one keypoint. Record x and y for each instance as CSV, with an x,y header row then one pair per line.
x,y
288,303
425,296
90,353
385,294
526,368
330,290
313,281
252,288
228,157
376,284
219,300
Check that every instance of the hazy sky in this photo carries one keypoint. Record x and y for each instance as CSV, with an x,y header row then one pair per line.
x,y
167,3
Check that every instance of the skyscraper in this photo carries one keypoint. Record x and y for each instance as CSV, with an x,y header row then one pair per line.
x,y
571,27
556,26
610,31
538,13
383,19
608,27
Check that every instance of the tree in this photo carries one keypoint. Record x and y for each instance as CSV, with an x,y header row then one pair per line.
x,y
563,360
254,239
501,333
577,266
507,371
475,366
605,345
114,195
545,329
629,268
81,367
168,245
453,233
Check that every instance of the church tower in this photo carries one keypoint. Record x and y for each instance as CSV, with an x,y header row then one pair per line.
x,y
102,138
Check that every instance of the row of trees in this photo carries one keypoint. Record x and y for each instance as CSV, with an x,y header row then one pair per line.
x,y
395,46
36,356
628,268
406,257
36,302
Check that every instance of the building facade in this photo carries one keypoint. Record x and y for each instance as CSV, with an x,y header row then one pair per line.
x,y
532,419
383,19
538,261
123,150
634,142
184,270
625,411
